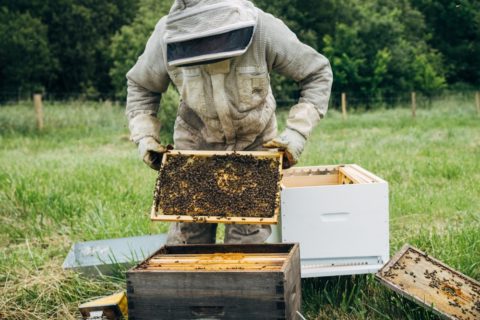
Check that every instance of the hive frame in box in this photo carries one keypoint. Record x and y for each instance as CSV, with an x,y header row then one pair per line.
x,y
154,216
339,215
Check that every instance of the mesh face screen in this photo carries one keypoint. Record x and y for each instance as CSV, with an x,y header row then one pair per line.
x,y
222,43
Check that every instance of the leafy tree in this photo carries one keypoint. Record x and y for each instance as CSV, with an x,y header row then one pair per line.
x,y
78,33
427,79
387,36
26,62
377,48
129,42
374,46
168,113
455,32
310,21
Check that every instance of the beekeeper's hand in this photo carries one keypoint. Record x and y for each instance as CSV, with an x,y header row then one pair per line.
x,y
291,143
151,152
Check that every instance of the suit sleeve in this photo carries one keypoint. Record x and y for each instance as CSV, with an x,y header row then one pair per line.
x,y
146,82
296,60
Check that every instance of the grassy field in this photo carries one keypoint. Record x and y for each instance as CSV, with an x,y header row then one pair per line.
x,y
80,179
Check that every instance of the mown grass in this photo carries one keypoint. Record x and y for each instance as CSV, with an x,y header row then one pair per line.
x,y
80,179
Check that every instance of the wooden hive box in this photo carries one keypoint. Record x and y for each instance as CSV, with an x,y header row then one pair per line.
x,y
217,282
240,187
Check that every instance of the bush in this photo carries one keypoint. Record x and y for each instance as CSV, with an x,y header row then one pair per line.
x,y
61,45
128,44
168,113
25,58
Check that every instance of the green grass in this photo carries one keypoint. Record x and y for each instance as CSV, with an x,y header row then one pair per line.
x,y
81,179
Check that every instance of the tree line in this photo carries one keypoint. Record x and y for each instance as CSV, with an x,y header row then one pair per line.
x,y
377,48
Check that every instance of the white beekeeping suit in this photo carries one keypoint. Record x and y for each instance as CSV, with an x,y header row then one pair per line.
x,y
219,55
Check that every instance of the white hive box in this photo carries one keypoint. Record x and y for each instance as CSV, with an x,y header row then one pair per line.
x,y
339,215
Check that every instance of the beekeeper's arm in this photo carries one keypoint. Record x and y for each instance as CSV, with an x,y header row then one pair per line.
x,y
290,57
147,80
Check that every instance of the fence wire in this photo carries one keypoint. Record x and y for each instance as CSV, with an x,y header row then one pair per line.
x,y
354,100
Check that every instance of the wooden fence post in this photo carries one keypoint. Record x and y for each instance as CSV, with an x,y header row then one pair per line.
x,y
344,105
414,104
477,99
37,103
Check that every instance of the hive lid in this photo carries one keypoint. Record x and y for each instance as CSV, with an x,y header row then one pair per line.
x,y
218,187
104,257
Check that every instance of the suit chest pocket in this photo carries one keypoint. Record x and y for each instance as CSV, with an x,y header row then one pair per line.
x,y
193,92
253,85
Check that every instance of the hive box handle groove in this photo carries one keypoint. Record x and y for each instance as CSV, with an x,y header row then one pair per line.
x,y
207,311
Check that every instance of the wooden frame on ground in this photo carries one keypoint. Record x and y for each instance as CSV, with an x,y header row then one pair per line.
x,y
432,284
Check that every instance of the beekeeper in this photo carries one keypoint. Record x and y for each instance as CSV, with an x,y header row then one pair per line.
x,y
219,55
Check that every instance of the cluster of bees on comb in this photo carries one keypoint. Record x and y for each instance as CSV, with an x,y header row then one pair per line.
x,y
231,185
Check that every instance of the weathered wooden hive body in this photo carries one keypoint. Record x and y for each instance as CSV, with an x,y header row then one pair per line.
x,y
217,282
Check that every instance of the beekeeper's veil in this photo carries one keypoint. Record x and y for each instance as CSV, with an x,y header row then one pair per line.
x,y
201,31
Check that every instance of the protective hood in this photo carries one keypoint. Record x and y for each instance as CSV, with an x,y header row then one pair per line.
x,y
200,31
